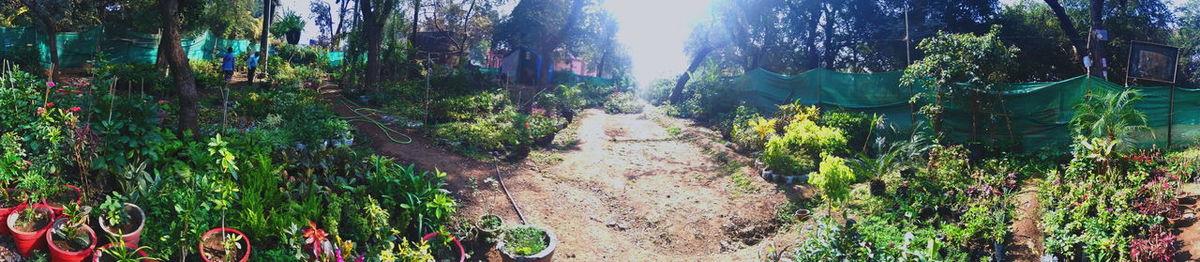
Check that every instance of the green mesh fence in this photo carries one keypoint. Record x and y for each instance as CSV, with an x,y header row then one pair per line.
x,y
76,48
1029,116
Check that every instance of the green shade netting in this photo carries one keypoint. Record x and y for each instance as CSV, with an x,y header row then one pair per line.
x,y
1030,116
76,48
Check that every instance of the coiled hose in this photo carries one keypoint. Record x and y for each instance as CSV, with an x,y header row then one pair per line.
x,y
360,116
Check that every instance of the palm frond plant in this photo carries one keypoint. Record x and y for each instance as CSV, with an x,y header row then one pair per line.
x,y
1110,116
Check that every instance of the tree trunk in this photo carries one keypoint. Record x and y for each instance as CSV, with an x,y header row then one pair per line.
x,y
160,60
337,32
416,19
1068,27
181,72
263,44
830,51
677,92
374,18
1097,50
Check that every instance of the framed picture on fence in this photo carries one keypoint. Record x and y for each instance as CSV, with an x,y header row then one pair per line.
x,y
1154,62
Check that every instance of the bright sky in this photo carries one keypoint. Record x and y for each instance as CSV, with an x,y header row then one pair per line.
x,y
654,32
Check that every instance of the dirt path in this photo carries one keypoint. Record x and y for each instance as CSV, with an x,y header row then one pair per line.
x,y
1025,244
1189,235
628,190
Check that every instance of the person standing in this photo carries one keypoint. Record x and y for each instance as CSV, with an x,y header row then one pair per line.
x,y
227,65
252,65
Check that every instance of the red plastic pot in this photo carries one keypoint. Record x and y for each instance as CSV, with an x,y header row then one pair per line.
x,y
462,252
59,209
245,242
133,238
59,255
4,211
28,241
99,252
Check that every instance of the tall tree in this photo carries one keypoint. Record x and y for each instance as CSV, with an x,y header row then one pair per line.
x,y
181,72
375,14
323,18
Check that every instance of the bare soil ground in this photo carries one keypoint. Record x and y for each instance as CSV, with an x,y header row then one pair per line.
x,y
619,188
1189,233
1025,244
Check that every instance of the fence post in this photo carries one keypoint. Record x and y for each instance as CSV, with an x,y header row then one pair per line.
x,y
1170,116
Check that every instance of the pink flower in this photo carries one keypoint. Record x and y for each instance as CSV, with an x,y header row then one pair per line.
x,y
27,163
160,101
51,104
76,109
41,110
50,84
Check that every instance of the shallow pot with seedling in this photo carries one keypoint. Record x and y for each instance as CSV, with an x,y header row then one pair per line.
x,y
527,243
123,220
70,239
224,245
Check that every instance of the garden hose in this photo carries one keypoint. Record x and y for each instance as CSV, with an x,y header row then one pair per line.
x,y
366,118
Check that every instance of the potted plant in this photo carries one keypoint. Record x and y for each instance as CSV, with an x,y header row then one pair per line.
x,y
70,239
288,27
224,245
59,197
527,243
119,251
489,228
10,202
29,226
123,220
445,247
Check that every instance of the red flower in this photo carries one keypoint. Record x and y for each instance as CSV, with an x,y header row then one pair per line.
x,y
41,110
51,104
76,109
50,84
160,101
526,124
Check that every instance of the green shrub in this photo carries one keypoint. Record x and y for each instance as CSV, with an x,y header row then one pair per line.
x,y
833,178
622,103
415,198
797,150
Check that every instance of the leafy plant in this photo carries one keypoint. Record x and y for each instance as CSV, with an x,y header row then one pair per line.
x,y
1111,116
833,178
524,240
112,210
120,252
622,103
798,149
289,22
416,197
957,65
1158,244
69,228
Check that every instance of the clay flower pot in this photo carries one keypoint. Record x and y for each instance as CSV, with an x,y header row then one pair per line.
x,y
131,237
546,255
6,209
98,255
65,254
72,192
212,240
462,253
28,239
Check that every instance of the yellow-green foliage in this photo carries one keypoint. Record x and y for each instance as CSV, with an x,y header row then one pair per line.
x,y
754,133
833,178
796,112
802,142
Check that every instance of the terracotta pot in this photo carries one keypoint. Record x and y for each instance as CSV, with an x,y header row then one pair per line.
x,y
58,209
802,214
57,254
462,253
547,255
99,253
211,233
4,211
28,241
132,238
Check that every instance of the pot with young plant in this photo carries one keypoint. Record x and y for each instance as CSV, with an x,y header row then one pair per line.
x,y
70,238
224,245
119,251
29,226
489,228
122,220
59,197
528,243
10,201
